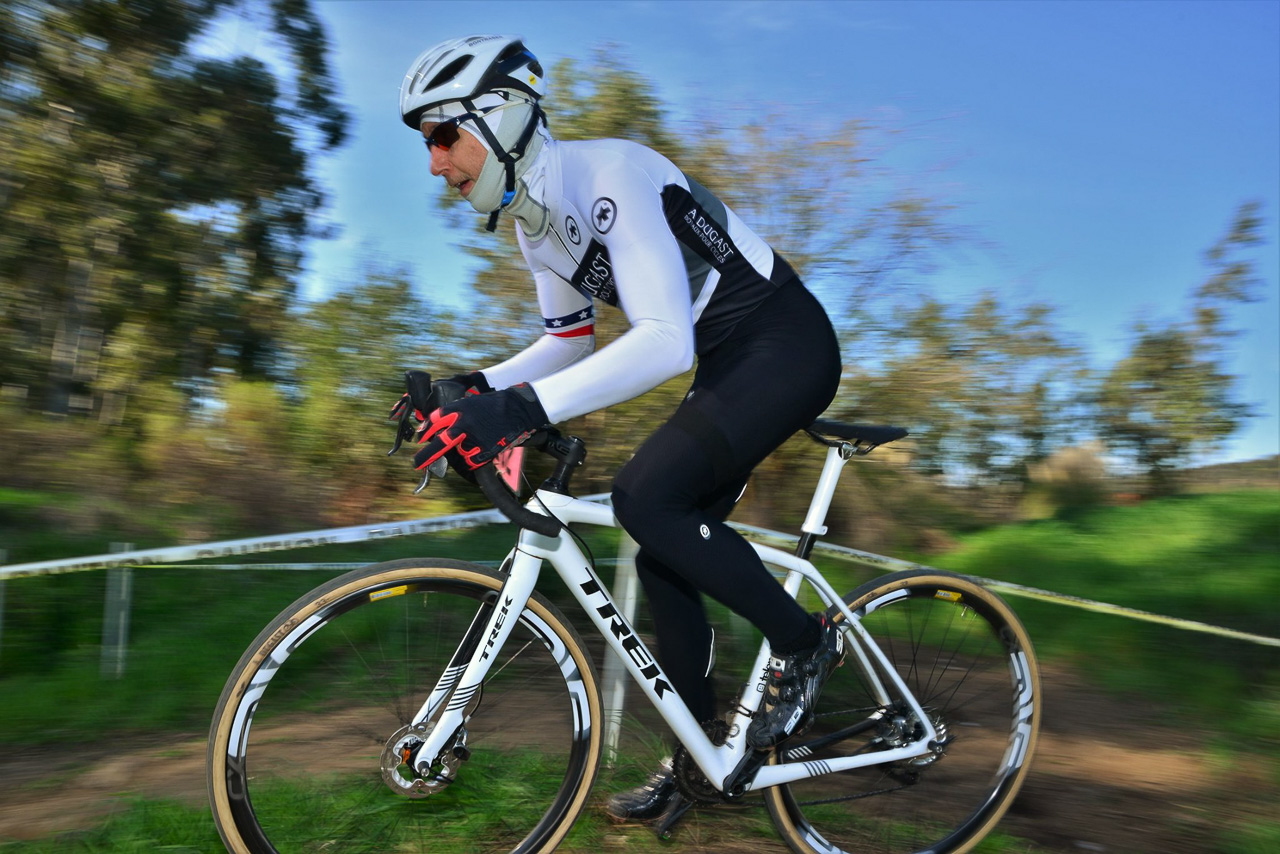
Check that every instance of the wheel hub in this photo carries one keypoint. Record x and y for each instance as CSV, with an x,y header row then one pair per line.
x,y
900,728
405,773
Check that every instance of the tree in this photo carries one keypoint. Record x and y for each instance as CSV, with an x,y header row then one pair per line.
x,y
1171,397
985,390
153,204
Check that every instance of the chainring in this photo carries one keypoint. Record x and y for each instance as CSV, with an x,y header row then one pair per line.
x,y
690,780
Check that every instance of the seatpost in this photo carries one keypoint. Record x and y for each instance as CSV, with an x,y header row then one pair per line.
x,y
814,526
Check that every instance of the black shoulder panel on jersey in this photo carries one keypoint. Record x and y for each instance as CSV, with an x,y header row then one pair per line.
x,y
594,276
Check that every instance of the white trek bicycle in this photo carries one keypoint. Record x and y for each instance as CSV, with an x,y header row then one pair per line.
x,y
430,704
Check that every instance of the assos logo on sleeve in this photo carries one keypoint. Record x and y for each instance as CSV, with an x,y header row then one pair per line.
x,y
603,214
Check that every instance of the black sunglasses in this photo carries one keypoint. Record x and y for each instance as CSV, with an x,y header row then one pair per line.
x,y
445,135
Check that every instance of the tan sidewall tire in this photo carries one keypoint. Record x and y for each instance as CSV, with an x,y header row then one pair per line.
x,y
378,574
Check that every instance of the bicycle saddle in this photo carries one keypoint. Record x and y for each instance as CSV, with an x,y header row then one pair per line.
x,y
823,431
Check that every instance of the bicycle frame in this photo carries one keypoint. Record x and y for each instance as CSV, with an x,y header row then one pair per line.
x,y
460,682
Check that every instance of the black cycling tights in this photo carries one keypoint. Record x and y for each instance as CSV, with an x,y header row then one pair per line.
x,y
773,376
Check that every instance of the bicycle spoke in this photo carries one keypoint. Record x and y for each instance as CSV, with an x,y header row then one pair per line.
x,y
948,639
297,762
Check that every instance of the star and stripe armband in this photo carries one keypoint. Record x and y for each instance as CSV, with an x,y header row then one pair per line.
x,y
574,325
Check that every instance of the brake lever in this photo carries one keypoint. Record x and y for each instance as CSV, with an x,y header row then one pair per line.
x,y
439,468
420,396
423,396
404,429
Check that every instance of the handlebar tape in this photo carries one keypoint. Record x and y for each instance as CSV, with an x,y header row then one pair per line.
x,y
496,491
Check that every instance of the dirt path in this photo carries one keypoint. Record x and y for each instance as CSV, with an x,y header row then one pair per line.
x,y
1112,776
1108,777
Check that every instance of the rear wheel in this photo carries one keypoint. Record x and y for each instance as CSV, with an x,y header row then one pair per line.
x,y
968,661
306,743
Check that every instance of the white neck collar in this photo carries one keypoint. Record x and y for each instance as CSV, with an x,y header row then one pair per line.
x,y
529,206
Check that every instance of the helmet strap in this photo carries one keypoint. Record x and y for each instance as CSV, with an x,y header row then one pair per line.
x,y
507,158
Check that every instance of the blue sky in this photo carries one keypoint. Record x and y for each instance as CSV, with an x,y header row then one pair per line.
x,y
1096,149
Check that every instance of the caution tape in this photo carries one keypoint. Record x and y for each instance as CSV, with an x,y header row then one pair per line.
x,y
894,564
262,545
255,545
361,533
1132,613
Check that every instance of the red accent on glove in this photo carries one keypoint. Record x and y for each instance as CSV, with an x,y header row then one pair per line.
x,y
439,427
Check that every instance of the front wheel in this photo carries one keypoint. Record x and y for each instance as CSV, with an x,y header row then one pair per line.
x,y
967,659
303,745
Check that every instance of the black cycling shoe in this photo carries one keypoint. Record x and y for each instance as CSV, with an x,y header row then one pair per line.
x,y
792,688
646,802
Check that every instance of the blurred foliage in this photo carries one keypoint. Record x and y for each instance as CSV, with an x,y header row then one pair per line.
x,y
1169,397
153,203
1068,481
985,389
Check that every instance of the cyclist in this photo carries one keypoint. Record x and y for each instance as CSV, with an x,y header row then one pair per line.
x,y
615,222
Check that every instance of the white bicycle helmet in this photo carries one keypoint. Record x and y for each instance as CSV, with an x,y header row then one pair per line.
x,y
460,71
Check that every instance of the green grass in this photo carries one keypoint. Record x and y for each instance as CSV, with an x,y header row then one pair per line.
x,y
356,813
23,499
1208,558
141,827
147,826
1254,838
188,627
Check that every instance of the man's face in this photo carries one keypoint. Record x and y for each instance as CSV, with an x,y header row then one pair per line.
x,y
460,163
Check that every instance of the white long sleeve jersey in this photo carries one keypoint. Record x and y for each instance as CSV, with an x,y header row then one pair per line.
x,y
631,230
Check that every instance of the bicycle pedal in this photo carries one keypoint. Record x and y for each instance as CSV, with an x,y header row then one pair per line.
x,y
675,811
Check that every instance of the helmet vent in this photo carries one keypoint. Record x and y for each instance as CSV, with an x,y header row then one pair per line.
x,y
513,49
449,72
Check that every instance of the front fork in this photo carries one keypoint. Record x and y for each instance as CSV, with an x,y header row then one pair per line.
x,y
438,735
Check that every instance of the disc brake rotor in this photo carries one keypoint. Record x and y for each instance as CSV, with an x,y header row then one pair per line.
x,y
400,761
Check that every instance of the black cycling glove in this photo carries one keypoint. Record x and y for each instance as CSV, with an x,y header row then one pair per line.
x,y
478,427
472,382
